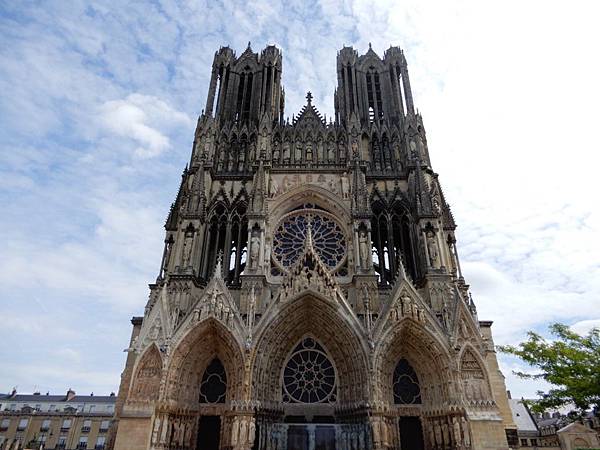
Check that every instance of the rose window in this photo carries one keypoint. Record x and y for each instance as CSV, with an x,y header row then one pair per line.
x,y
329,241
309,376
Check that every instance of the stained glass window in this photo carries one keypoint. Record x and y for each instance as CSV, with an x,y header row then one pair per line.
x,y
329,241
214,383
309,376
406,384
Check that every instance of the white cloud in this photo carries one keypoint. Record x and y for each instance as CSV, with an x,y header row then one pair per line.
x,y
133,118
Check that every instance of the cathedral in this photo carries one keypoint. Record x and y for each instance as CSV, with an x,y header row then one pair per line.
x,y
310,295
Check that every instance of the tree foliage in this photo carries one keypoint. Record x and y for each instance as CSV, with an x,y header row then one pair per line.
x,y
569,362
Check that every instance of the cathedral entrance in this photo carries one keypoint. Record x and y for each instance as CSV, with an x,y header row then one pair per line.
x,y
411,433
209,433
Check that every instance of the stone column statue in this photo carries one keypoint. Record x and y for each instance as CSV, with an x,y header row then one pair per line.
x,y
254,251
432,248
187,249
363,246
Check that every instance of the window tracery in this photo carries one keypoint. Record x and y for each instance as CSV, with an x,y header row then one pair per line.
x,y
407,390
328,238
309,375
214,383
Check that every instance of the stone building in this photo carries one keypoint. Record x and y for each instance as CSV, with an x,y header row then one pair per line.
x,y
310,293
55,421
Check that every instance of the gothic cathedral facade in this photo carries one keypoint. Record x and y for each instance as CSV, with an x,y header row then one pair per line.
x,y
310,295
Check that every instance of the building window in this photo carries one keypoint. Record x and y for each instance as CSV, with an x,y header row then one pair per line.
x,y
66,425
92,408
534,443
82,443
52,408
104,426
42,438
87,426
100,443
38,407
22,424
13,407
110,408
62,442
524,443
4,424
45,425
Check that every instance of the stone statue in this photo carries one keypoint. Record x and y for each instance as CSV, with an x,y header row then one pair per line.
x,y
276,153
363,246
432,248
254,250
187,249
355,153
330,152
309,151
251,309
298,152
273,187
465,430
345,185
286,152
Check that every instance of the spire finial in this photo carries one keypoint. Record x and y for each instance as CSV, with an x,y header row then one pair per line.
x,y
309,97
248,44
370,48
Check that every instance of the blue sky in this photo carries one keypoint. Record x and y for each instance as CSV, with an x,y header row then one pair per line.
x,y
99,103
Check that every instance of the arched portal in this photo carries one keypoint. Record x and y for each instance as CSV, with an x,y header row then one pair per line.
x,y
416,378
203,378
309,366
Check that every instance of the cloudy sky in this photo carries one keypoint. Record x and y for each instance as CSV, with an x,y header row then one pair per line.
x,y
98,107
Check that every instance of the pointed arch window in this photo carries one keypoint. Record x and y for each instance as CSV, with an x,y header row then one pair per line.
x,y
407,390
213,387
309,375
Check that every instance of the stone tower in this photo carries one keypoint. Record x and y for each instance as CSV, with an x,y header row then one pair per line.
x,y
310,293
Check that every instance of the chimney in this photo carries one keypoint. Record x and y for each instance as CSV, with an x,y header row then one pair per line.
x,y
70,394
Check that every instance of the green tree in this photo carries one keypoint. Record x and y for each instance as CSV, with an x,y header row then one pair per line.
x,y
569,362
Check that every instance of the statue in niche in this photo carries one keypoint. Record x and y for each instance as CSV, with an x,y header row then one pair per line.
x,y
355,153
222,154
298,154
187,248
432,248
345,185
252,152
330,152
286,152
276,153
413,149
254,250
320,151
242,160
363,246
309,152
